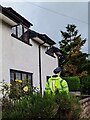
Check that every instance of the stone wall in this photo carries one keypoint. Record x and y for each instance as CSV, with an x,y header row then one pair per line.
x,y
86,108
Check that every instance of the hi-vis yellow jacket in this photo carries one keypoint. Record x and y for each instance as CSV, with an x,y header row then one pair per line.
x,y
56,84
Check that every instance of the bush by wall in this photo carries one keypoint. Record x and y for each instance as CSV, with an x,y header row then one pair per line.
x,y
48,107
73,83
85,85
28,106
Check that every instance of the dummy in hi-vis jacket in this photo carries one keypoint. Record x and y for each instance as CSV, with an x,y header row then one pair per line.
x,y
56,83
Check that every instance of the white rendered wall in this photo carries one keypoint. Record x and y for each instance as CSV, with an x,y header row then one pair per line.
x,y
0,59
0,51
20,56
0,67
48,65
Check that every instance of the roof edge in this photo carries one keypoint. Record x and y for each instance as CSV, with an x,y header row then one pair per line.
x,y
13,15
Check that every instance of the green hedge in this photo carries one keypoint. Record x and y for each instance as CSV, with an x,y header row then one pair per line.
x,y
73,83
35,107
85,85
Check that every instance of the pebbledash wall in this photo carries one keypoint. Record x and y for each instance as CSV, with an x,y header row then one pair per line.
x,y
15,54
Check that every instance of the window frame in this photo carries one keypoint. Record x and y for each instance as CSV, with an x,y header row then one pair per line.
x,y
21,72
50,52
17,32
47,78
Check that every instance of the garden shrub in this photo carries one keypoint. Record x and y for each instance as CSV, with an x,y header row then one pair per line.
x,y
28,104
69,107
85,85
48,107
73,83
31,108
17,89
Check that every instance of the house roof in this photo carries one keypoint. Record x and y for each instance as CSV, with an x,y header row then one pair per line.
x,y
17,18
13,15
41,37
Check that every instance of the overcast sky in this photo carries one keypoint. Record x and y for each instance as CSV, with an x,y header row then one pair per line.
x,y
51,17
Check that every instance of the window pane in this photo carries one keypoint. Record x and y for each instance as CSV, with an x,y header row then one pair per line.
x,y
30,78
47,77
24,76
11,77
14,30
19,31
18,75
25,29
25,35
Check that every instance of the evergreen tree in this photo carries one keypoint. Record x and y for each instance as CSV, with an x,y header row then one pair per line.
x,y
74,61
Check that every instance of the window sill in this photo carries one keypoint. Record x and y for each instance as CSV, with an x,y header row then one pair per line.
x,y
20,39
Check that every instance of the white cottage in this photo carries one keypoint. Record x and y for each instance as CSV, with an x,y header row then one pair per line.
x,y
24,53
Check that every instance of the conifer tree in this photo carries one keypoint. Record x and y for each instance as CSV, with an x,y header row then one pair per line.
x,y
74,61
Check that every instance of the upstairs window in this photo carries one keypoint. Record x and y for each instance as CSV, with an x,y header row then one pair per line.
x,y
21,32
50,52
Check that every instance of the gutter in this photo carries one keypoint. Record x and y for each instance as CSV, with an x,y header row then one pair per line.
x,y
14,17
40,73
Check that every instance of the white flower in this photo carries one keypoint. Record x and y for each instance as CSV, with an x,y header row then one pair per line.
x,y
25,88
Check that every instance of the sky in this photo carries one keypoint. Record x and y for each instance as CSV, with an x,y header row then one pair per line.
x,y
52,17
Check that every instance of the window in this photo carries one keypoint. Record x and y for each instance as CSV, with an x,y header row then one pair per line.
x,y
21,32
50,52
21,75
47,77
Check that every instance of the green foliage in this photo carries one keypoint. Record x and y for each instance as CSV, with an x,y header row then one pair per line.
x,y
74,62
46,107
5,88
29,105
73,83
32,107
85,85
69,107
17,89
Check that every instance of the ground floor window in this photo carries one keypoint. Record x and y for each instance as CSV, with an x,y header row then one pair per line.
x,y
47,77
20,75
